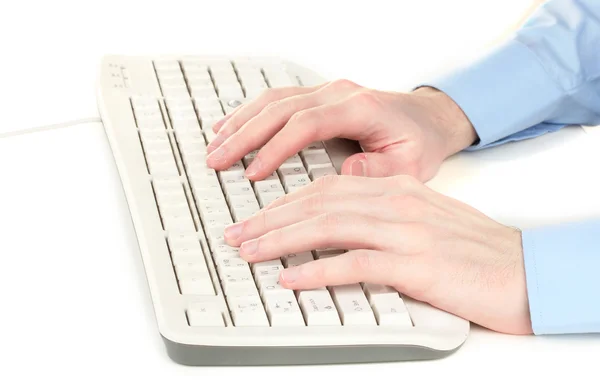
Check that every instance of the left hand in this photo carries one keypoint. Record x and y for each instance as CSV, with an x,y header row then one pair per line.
x,y
399,233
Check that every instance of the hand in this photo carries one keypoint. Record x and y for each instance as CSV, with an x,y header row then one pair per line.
x,y
399,233
401,133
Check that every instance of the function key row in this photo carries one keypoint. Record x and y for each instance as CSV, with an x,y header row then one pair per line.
x,y
212,79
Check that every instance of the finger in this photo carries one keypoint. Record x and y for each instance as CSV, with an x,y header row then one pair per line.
x,y
342,119
217,126
260,128
334,230
305,209
344,184
392,162
405,273
253,108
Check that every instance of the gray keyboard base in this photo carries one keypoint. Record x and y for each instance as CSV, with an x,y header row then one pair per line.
x,y
194,355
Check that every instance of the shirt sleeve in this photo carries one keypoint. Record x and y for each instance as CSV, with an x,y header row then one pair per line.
x,y
562,266
545,77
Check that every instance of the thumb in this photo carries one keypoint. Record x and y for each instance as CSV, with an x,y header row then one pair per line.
x,y
371,164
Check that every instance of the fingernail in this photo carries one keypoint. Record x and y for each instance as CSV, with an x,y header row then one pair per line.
x,y
249,248
290,275
234,231
254,167
359,168
217,155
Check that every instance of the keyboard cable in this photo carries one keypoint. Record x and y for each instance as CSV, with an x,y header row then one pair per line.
x,y
42,128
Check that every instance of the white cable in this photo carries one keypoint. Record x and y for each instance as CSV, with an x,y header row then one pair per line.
x,y
49,127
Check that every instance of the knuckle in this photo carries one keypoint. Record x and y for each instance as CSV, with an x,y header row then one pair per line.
x,y
270,94
313,204
403,200
343,84
329,222
301,117
272,106
366,98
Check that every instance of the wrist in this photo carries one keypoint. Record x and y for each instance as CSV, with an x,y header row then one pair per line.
x,y
450,121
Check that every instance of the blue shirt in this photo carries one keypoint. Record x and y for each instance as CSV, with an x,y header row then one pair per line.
x,y
543,78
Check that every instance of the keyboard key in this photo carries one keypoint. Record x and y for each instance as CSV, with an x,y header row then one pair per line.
x,y
314,148
296,259
292,171
235,173
220,220
188,269
229,104
378,290
266,198
144,102
247,311
182,241
243,212
232,264
187,255
177,221
241,188
249,157
274,266
169,73
230,91
268,184
216,236
243,201
208,106
205,315
317,160
269,283
208,132
320,172
326,253
283,310
254,90
202,286
194,64
181,92
224,251
352,305
199,92
172,82
238,283
318,307
293,162
390,310
295,180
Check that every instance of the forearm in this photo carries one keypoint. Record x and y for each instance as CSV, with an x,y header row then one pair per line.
x,y
562,267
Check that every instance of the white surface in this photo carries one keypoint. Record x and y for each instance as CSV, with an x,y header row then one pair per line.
x,y
75,306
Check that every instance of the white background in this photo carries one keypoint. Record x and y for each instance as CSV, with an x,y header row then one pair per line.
x,y
74,307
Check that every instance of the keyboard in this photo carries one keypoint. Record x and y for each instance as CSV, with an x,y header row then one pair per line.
x,y
213,308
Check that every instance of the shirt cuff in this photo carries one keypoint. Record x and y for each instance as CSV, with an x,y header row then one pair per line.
x,y
562,268
503,93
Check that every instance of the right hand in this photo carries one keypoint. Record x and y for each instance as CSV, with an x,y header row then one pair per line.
x,y
400,133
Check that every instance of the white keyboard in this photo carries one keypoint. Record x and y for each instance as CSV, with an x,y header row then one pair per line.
x,y
212,307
